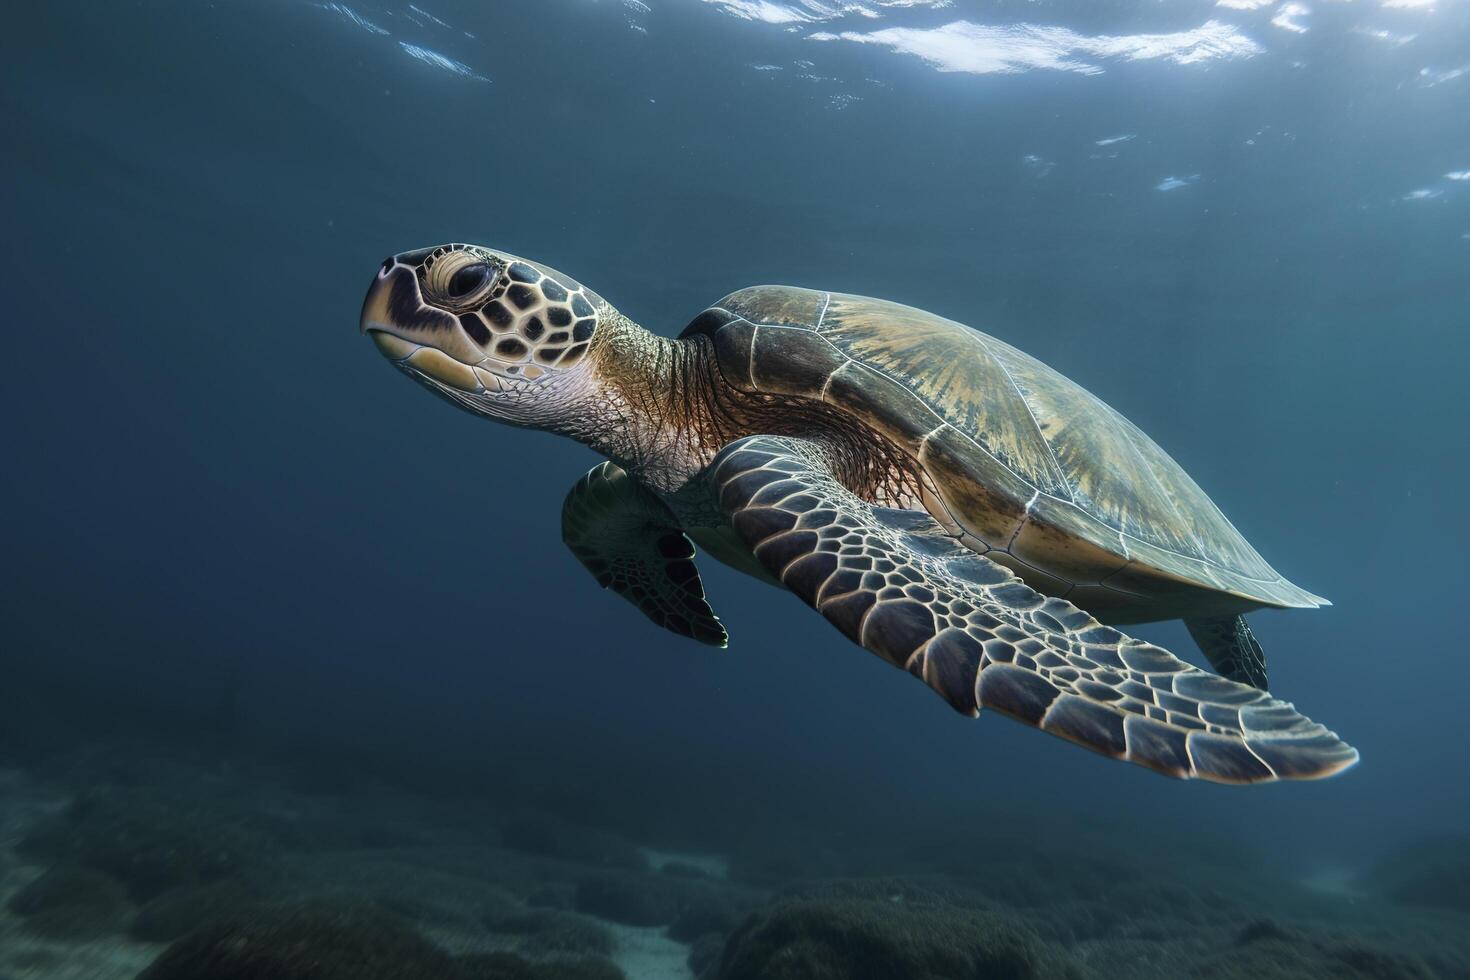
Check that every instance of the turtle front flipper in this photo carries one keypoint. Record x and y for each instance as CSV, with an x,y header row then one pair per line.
x,y
896,583
630,540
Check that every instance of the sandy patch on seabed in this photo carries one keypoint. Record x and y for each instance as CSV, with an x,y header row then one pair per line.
x,y
648,954
23,954
713,865
643,954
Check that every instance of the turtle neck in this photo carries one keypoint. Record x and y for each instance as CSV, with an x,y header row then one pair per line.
x,y
651,405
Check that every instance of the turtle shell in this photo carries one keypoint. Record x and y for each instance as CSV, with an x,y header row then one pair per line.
x,y
1023,464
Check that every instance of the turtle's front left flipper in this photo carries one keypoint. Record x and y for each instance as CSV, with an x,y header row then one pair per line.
x,y
895,583
631,542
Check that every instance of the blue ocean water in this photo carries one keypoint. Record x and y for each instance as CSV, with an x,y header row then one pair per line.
x,y
237,540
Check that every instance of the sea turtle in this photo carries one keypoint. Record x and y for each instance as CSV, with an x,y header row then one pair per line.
x,y
949,503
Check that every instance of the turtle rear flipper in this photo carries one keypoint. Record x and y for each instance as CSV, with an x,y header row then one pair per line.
x,y
897,584
1231,648
631,542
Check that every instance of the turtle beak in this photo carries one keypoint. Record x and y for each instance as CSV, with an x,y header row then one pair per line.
x,y
413,334
394,303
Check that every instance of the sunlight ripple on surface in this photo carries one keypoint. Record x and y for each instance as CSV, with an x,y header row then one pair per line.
x,y
981,49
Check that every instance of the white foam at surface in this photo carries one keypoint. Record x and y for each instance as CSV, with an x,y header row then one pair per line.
x,y
1041,167
424,13
964,46
1114,139
1423,194
1458,175
770,12
438,60
1438,76
1387,36
977,48
1174,183
634,11
1287,17
342,10
815,11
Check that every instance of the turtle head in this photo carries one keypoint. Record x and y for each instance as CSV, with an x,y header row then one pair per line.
x,y
493,333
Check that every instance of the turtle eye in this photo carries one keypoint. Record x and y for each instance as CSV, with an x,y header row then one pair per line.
x,y
467,279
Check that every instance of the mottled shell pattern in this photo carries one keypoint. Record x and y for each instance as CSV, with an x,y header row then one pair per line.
x,y
1022,465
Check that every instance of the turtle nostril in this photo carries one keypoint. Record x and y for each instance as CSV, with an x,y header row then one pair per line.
x,y
468,279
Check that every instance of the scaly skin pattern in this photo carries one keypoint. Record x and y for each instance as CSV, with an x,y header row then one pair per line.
x,y
661,410
524,344
896,584
632,543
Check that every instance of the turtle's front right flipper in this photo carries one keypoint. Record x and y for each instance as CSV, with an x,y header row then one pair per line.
x,y
630,540
894,582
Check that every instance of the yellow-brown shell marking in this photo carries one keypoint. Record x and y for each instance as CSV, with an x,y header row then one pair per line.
x,y
1030,469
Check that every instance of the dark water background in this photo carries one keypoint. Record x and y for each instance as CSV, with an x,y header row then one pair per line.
x,y
228,520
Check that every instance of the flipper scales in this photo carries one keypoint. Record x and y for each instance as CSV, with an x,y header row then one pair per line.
x,y
631,542
898,585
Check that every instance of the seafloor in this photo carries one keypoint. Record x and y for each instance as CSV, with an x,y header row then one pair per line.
x,y
123,857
